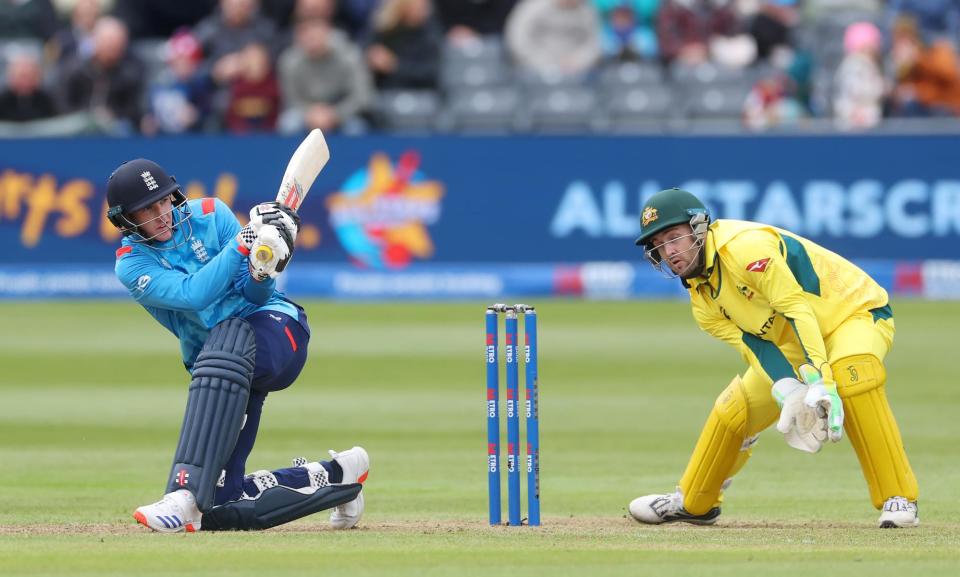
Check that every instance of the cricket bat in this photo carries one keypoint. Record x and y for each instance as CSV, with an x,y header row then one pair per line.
x,y
304,166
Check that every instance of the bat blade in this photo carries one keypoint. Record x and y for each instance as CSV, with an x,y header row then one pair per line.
x,y
304,166
306,163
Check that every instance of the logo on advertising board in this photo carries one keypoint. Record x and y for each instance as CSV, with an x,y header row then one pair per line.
x,y
382,212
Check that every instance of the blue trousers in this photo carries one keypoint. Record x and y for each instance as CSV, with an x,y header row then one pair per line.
x,y
281,354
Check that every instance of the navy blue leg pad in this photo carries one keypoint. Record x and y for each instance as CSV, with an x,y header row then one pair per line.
x,y
216,404
276,506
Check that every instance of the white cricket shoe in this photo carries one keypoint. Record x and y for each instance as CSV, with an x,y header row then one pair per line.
x,y
899,512
356,465
175,513
657,509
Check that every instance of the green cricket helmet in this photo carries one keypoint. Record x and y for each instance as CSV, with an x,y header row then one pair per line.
x,y
669,208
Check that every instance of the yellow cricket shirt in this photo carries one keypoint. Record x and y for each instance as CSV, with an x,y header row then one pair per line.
x,y
774,295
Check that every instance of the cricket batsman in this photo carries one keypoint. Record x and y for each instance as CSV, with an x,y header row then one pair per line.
x,y
189,264
813,329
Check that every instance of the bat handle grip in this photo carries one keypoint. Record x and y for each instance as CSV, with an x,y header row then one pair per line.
x,y
263,254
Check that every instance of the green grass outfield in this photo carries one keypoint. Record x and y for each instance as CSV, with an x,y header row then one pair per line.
x,y
91,398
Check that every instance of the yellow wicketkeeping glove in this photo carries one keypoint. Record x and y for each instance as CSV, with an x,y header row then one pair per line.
x,y
822,395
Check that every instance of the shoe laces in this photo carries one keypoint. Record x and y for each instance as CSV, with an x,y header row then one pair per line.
x,y
668,504
895,504
168,501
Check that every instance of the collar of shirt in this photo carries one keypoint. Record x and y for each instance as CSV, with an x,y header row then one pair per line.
x,y
711,270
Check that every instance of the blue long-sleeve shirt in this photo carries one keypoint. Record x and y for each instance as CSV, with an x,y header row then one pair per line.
x,y
193,287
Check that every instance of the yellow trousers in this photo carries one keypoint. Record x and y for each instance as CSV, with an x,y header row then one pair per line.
x,y
856,350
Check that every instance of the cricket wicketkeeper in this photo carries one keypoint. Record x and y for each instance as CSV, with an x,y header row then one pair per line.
x,y
814,330
189,264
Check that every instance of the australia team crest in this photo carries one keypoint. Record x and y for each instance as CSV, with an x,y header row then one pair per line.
x,y
649,215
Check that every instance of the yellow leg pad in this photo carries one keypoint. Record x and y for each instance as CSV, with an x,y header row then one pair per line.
x,y
872,429
718,452
745,451
743,456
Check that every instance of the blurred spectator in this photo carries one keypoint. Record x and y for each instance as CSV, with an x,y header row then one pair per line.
x,y
405,49
76,39
772,103
254,96
800,68
307,9
27,19
858,86
554,38
109,84
304,10
816,10
356,16
772,26
180,97
24,97
280,12
737,51
685,28
161,18
468,20
225,33
628,28
935,19
927,75
323,79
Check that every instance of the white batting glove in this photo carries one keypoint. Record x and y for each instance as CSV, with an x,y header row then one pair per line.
x,y
276,214
800,425
822,395
271,261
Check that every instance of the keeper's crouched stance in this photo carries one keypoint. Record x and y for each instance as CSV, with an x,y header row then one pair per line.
x,y
814,330
187,263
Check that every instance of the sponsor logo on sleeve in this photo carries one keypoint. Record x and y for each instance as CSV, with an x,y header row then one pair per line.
x,y
142,282
758,265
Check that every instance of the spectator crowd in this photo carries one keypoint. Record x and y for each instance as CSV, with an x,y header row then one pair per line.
x,y
251,66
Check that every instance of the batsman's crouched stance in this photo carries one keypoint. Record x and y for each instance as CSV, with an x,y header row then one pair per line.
x,y
186,262
792,309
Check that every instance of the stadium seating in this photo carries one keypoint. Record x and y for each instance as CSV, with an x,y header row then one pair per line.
x,y
629,74
152,54
717,101
482,110
409,110
560,109
473,74
638,108
481,91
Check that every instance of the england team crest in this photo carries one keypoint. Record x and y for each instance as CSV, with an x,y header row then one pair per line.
x,y
199,250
